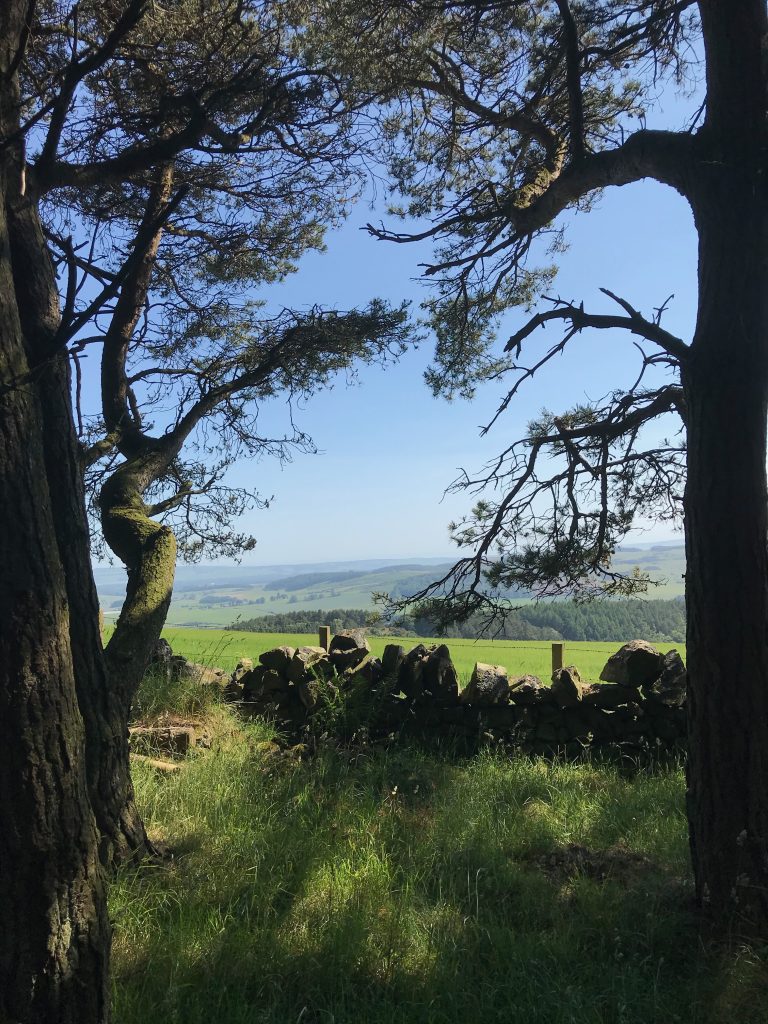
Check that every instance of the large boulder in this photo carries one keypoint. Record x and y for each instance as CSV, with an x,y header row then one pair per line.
x,y
262,681
392,659
160,660
349,660
182,668
528,689
348,640
439,675
636,664
489,684
670,687
412,671
369,670
278,659
306,662
312,691
243,666
567,686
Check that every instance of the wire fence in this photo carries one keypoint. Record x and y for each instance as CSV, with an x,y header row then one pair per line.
x,y
517,645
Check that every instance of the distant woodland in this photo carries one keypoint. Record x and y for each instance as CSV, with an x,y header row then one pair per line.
x,y
555,620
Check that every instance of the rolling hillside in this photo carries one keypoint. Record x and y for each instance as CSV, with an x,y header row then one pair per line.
x,y
217,595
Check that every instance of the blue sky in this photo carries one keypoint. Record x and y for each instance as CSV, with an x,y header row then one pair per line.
x,y
388,449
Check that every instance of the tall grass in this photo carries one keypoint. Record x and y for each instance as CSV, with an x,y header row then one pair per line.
x,y
407,885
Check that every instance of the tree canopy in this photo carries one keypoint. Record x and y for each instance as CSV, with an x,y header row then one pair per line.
x,y
185,159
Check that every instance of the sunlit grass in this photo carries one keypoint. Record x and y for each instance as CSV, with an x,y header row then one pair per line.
x,y
410,885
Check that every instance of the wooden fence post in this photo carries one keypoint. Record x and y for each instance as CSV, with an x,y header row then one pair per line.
x,y
325,637
557,656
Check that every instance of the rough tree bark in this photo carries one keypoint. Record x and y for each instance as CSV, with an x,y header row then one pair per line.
x,y
146,548
54,945
122,831
726,501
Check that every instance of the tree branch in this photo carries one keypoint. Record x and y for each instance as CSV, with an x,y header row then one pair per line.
x,y
579,320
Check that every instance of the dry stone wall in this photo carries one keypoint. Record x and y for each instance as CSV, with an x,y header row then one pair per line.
x,y
639,704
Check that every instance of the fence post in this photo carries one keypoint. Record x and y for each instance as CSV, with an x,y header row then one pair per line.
x,y
557,656
325,637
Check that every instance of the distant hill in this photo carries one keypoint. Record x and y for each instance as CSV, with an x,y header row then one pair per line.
x,y
208,595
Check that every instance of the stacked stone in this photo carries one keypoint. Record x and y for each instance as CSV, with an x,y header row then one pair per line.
x,y
168,666
640,703
288,683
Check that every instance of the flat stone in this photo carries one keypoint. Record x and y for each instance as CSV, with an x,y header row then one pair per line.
x,y
162,739
608,695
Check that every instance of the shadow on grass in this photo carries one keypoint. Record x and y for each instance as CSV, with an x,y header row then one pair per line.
x,y
407,886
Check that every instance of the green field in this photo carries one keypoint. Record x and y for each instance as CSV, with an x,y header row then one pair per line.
x,y
223,649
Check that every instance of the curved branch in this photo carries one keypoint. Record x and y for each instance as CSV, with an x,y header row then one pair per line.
x,y
579,320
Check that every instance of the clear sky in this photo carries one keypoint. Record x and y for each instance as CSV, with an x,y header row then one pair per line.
x,y
388,449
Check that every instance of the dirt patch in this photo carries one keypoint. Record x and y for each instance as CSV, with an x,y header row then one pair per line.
x,y
616,863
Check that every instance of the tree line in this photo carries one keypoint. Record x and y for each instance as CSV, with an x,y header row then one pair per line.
x,y
659,621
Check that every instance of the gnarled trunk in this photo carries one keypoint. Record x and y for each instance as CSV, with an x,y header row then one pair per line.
x,y
148,551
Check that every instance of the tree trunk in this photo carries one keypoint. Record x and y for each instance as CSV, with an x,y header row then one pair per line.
x,y
148,551
122,831
54,944
726,527
123,836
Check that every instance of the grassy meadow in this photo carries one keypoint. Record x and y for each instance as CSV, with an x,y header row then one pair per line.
x,y
405,884
411,886
223,648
